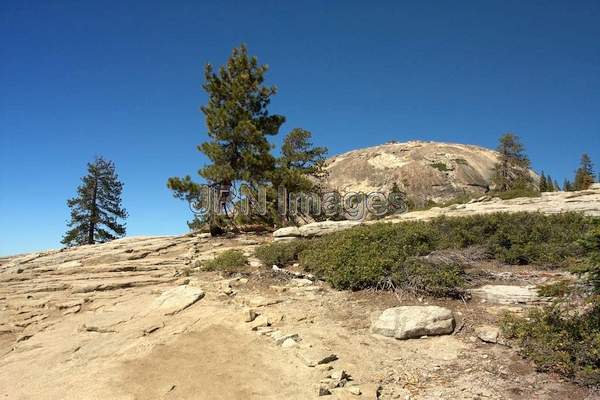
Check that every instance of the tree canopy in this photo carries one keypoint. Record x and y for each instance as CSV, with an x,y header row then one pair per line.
x,y
96,211
512,170
238,149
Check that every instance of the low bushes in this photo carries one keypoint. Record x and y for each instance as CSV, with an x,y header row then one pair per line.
x,y
562,338
367,256
281,253
565,337
520,238
388,255
229,261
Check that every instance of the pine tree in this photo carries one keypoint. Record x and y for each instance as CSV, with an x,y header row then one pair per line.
x,y
238,125
299,169
512,169
299,156
238,148
556,186
96,210
543,183
567,186
584,177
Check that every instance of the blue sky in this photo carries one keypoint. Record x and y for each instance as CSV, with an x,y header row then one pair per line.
x,y
123,79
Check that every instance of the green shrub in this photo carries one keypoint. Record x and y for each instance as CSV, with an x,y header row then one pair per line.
x,y
560,338
460,161
369,256
519,238
556,289
229,261
440,166
439,280
383,255
281,253
590,267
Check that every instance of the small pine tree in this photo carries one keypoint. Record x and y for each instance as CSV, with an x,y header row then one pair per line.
x,y
96,210
512,169
567,186
556,186
543,183
300,168
584,177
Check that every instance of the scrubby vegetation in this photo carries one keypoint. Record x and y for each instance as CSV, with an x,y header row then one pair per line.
x,y
281,253
229,261
565,337
562,338
390,255
440,166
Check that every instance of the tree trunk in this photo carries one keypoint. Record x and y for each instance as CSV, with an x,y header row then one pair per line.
x,y
93,214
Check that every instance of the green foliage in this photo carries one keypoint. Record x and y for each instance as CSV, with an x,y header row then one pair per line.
x,y
299,169
388,255
519,238
561,338
438,280
460,161
584,177
440,166
512,169
229,261
590,268
381,256
543,183
567,186
238,121
556,289
96,210
281,253
238,148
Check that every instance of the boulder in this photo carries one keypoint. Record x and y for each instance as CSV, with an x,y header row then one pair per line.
x,y
409,322
290,231
488,334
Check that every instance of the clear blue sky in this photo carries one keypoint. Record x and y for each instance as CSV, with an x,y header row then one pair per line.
x,y
123,79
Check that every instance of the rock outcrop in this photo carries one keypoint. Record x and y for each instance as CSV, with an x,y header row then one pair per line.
x,y
507,294
585,201
409,322
424,170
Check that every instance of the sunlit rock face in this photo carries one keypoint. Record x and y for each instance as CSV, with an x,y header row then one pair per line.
x,y
424,170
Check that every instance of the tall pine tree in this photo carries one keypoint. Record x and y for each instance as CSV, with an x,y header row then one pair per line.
x,y
238,124
96,210
584,177
512,169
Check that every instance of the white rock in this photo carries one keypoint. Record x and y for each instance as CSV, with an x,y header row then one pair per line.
x,y
177,299
250,315
506,294
290,231
488,334
300,282
289,343
408,322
